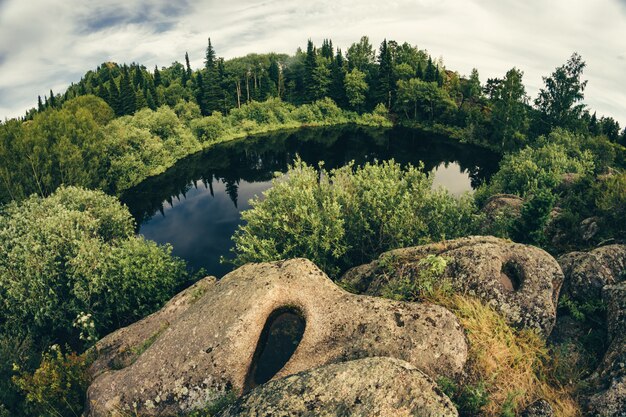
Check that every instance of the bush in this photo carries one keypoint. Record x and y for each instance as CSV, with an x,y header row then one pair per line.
x,y
58,386
208,129
75,253
348,216
533,169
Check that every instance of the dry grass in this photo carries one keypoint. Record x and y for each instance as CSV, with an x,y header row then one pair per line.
x,y
513,364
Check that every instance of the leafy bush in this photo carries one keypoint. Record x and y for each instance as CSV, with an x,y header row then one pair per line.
x,y
349,215
533,169
75,253
208,129
58,386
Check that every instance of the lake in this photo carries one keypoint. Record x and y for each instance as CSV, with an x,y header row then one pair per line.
x,y
195,205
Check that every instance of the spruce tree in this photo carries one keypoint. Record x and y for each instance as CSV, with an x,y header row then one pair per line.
x,y
386,83
430,73
114,98
419,72
157,77
187,66
209,60
127,93
310,87
39,104
338,69
52,101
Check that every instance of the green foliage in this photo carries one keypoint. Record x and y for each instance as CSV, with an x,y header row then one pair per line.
x,y
58,386
356,88
469,399
532,169
406,285
348,216
75,253
529,227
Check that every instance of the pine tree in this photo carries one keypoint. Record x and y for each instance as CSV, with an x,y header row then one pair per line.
x,y
114,98
199,93
593,125
310,89
209,60
52,102
150,100
430,74
386,83
127,94
140,100
157,77
338,69
419,72
327,49
187,66
39,104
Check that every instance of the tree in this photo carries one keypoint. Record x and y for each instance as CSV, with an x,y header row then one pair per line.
x,y
509,118
337,89
356,87
386,87
127,94
558,102
52,101
187,66
39,104
209,60
423,98
361,55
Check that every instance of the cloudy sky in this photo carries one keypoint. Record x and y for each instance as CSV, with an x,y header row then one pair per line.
x,y
48,44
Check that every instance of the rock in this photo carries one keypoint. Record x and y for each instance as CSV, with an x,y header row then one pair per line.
x,y
610,377
217,343
121,348
589,228
522,282
364,387
501,206
540,408
504,204
586,273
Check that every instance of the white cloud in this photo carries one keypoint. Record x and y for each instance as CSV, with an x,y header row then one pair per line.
x,y
47,44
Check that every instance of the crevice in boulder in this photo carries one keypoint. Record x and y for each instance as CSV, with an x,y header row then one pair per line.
x,y
279,339
511,276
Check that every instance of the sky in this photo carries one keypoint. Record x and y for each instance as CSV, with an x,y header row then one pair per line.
x,y
47,44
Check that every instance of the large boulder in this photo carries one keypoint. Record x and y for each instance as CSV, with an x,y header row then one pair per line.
x,y
610,377
217,344
121,348
521,282
364,387
586,273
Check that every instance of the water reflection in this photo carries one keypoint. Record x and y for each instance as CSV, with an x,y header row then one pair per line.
x,y
195,205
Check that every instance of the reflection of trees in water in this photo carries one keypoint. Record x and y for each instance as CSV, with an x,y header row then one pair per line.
x,y
256,159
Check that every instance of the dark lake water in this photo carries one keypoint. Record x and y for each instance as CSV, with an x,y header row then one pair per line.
x,y
195,206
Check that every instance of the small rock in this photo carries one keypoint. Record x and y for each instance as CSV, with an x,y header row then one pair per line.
x,y
540,408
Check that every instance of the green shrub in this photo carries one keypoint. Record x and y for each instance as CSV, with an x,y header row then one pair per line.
x,y
349,215
58,386
75,253
208,129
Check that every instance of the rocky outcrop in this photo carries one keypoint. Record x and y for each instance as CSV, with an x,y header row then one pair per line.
x,y
217,343
586,273
121,348
610,378
364,387
500,209
522,282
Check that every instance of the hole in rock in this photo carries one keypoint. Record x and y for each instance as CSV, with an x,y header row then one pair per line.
x,y
511,276
279,339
